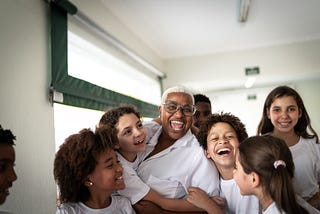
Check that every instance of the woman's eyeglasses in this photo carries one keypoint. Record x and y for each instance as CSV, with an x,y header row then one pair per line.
x,y
172,107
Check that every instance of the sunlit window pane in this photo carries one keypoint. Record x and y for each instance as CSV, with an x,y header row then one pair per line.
x,y
88,62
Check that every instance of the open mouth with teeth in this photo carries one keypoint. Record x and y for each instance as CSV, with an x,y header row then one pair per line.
x,y
177,125
224,151
284,124
139,142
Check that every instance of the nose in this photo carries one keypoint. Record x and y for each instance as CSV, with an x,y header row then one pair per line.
x,y
179,111
222,140
12,175
119,168
137,132
284,114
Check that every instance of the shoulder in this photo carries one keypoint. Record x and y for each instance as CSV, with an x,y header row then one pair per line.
x,y
67,208
311,143
153,125
121,203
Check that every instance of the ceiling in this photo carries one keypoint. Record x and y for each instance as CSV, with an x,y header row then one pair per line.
x,y
181,28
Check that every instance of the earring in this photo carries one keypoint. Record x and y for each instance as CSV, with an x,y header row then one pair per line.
x,y
89,183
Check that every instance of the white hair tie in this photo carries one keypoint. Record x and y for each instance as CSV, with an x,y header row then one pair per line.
x,y
278,163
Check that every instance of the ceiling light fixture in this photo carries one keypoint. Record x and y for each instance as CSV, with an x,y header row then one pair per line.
x,y
252,74
244,6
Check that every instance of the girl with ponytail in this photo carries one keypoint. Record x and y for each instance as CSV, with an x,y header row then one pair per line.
x,y
264,168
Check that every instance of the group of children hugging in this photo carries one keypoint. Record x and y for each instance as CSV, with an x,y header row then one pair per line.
x,y
276,171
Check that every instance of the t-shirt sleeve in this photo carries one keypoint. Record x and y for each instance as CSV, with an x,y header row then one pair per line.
x,y
151,128
204,174
135,188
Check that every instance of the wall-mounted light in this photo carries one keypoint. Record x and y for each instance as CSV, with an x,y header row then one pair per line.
x,y
252,74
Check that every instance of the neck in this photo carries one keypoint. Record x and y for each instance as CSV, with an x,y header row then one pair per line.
x,y
226,173
291,138
164,141
129,156
266,202
264,199
98,202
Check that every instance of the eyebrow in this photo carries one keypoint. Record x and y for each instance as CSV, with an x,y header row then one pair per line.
x,y
108,160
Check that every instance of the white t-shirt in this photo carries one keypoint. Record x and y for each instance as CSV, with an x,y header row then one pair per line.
x,y
237,203
135,188
306,158
173,170
119,205
273,209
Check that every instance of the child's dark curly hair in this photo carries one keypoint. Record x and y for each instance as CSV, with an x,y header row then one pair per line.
x,y
6,136
212,119
77,158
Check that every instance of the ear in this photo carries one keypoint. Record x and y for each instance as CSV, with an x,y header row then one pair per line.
x,y
160,109
255,179
207,154
300,113
268,113
88,183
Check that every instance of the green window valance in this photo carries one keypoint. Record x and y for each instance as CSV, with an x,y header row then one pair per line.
x,y
73,91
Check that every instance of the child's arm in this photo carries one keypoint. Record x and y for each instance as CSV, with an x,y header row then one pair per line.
x,y
200,199
147,207
177,205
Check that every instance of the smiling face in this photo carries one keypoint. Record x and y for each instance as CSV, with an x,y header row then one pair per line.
x,y
284,114
131,135
7,173
176,125
222,144
107,175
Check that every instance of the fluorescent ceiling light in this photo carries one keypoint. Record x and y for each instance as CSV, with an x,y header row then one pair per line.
x,y
244,6
250,81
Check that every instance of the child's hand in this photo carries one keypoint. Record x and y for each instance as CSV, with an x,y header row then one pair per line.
x,y
219,201
315,200
199,198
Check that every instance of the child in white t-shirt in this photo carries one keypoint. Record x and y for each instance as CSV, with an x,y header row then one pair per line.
x,y
264,168
220,137
87,172
285,116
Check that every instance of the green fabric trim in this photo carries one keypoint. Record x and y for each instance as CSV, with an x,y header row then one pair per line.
x,y
78,92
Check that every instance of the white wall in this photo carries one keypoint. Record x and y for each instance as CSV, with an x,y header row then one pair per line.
x,y
274,62
24,81
287,60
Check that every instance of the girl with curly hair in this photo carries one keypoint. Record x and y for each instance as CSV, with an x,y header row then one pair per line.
x,y
88,172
